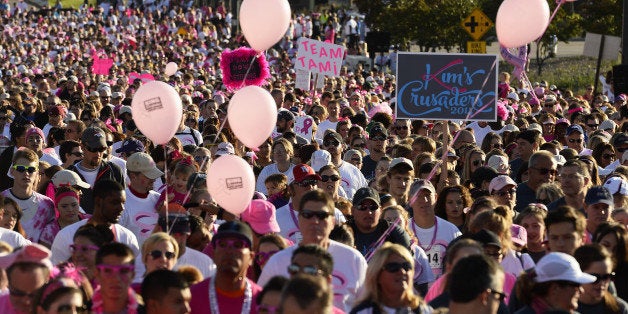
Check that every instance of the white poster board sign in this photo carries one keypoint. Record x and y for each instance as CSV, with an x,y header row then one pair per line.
x,y
319,57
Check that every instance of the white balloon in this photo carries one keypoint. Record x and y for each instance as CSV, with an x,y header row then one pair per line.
x,y
171,68
157,111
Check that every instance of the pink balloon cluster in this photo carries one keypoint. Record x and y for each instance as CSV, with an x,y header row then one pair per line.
x,y
264,22
518,61
520,22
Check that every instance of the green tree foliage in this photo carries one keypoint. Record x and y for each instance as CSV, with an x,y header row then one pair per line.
x,y
600,16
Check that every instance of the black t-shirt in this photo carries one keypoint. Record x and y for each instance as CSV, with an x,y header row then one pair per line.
x,y
368,167
364,242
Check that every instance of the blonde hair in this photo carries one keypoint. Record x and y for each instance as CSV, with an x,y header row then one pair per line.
x,y
371,290
155,238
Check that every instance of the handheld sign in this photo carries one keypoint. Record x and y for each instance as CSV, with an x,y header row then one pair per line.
x,y
302,80
447,86
303,126
319,57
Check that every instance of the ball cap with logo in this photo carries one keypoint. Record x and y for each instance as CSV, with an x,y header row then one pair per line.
x,y
304,172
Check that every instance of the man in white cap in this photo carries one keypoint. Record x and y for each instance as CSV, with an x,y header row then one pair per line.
x,y
139,213
598,207
433,233
618,187
352,178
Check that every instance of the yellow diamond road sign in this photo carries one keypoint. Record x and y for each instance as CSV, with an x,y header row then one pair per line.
x,y
477,24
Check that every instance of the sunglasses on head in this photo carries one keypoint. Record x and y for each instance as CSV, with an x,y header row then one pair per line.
x,y
333,178
367,206
306,183
232,243
309,214
294,269
394,267
96,149
22,168
262,257
155,254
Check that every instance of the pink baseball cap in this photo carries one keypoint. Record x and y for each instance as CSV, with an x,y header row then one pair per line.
x,y
519,235
32,253
260,215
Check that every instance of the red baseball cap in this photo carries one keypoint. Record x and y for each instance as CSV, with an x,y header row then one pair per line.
x,y
304,172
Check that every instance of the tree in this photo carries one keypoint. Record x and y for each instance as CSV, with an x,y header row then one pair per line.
x,y
601,16
565,25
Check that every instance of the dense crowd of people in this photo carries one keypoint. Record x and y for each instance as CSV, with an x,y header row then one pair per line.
x,y
363,213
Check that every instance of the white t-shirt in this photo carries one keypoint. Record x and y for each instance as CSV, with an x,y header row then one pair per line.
x,y
269,170
348,275
288,221
37,212
49,157
435,248
139,215
422,270
351,178
479,132
120,163
187,137
515,263
14,239
324,126
199,260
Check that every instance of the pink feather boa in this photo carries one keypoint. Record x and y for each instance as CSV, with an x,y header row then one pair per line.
x,y
240,54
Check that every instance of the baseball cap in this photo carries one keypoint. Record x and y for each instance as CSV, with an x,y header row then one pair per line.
x,y
574,128
117,95
598,194
616,185
130,145
175,223
142,162
233,229
518,234
31,253
260,215
513,96
320,158
536,127
94,137
499,163
549,99
37,131
484,173
556,266
68,178
400,162
377,128
500,182
225,148
285,115
620,139
418,185
303,172
56,111
486,237
125,109
366,193
608,125
510,128
333,135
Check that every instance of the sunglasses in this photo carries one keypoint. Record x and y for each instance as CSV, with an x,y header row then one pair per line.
x,y
294,269
394,267
111,270
359,145
603,277
232,244
77,154
70,309
378,138
267,309
22,168
262,257
155,254
478,162
333,178
367,206
501,295
21,294
331,143
544,171
575,140
309,214
83,248
507,192
96,150
306,183
608,156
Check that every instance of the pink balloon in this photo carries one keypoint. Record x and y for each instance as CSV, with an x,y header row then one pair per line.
x,y
264,22
252,115
521,21
157,111
231,183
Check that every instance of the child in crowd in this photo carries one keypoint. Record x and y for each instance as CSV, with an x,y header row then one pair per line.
x,y
277,187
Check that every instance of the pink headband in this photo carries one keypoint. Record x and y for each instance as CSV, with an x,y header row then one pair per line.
x,y
62,195
574,110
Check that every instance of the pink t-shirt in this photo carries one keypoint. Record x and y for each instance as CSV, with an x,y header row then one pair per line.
x,y
200,299
439,286
6,307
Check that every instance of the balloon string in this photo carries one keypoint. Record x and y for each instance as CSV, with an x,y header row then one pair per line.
x,y
381,239
166,190
559,3
189,191
413,197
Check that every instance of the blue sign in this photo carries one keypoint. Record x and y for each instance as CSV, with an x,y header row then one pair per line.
x,y
435,86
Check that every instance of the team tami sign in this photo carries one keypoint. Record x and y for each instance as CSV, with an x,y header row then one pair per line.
x,y
319,57
447,86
